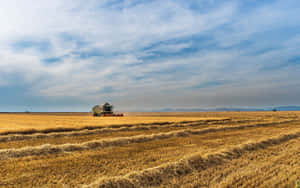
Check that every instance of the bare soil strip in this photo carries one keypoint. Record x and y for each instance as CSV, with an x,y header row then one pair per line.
x,y
120,141
197,162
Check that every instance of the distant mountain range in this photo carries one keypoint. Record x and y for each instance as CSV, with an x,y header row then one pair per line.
x,y
289,108
280,108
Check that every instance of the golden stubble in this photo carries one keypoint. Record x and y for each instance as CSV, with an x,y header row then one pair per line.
x,y
129,161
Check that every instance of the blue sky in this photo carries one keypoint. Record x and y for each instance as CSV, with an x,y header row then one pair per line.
x,y
64,55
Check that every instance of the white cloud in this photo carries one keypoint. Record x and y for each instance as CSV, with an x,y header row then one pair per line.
x,y
117,40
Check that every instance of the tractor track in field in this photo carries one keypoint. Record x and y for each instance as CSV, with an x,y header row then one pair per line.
x,y
188,165
118,141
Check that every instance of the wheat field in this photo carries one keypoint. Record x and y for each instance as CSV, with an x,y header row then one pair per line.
x,y
198,149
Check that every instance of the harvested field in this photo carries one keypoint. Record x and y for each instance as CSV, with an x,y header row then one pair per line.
x,y
209,149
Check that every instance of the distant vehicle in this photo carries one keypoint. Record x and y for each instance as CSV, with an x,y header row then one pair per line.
x,y
104,110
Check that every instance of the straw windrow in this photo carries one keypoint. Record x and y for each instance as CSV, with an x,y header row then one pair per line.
x,y
68,129
119,141
197,162
19,137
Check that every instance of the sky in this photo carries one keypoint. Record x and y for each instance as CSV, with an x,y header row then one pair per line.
x,y
68,55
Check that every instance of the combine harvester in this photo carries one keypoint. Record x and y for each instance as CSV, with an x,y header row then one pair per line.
x,y
105,110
